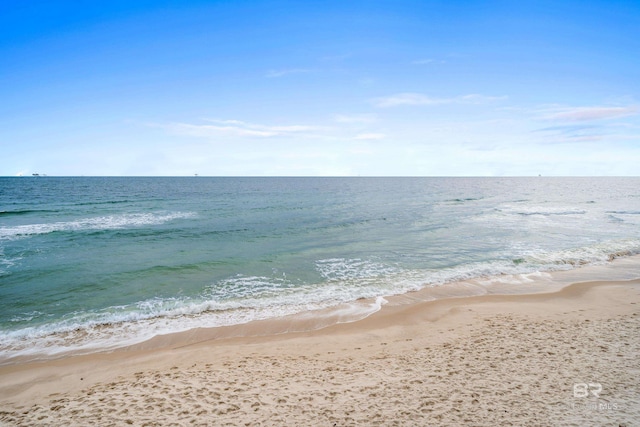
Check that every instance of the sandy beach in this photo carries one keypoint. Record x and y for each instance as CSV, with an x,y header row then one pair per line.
x,y
562,358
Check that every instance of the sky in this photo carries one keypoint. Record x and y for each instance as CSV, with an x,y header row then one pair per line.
x,y
320,88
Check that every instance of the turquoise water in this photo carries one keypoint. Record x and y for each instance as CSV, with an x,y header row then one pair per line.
x,y
100,262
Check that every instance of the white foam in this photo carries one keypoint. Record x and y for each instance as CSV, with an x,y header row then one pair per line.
x,y
241,299
5,262
96,223
342,269
236,300
597,253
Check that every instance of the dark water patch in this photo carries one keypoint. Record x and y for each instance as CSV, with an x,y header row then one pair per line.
x,y
114,202
552,213
26,212
463,200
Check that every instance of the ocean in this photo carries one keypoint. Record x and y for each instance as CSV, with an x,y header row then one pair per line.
x,y
89,264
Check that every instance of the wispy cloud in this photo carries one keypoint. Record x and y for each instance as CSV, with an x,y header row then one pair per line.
x,y
569,129
572,133
428,61
281,73
237,128
583,124
410,98
213,130
588,114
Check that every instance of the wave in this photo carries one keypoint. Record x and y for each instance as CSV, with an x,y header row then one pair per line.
x,y
624,212
347,283
536,210
125,325
524,262
96,223
595,254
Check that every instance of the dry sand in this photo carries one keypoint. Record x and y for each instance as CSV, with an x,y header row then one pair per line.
x,y
484,361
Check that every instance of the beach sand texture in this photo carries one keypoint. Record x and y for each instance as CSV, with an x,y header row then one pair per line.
x,y
536,360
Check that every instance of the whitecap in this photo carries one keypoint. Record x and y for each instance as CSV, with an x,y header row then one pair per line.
x,y
95,223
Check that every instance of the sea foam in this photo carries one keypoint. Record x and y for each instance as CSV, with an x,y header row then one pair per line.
x,y
110,222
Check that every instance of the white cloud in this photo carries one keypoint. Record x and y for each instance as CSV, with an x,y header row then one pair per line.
x,y
237,128
587,114
409,98
212,130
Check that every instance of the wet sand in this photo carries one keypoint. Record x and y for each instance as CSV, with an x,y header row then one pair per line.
x,y
563,358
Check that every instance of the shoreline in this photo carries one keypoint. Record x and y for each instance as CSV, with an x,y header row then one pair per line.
x,y
522,354
619,269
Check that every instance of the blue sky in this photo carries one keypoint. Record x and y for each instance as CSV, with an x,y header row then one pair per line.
x,y
421,88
